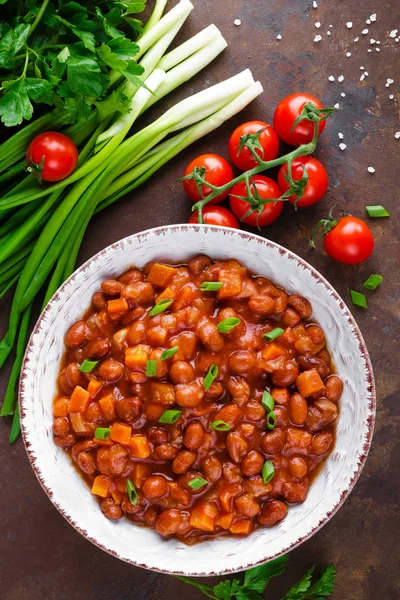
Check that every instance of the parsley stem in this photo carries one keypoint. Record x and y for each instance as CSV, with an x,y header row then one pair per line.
x,y
38,17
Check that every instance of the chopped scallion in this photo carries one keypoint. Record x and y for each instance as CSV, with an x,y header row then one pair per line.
x,y
268,471
377,211
211,286
272,335
151,368
169,353
267,401
197,483
102,433
220,426
132,493
271,420
170,416
211,375
372,282
161,306
358,299
228,324
88,365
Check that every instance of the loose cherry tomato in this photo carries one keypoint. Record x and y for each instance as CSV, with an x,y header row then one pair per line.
x,y
268,139
216,215
58,152
286,113
348,239
317,183
265,188
217,171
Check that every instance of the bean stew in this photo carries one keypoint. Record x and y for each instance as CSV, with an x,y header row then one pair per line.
x,y
197,399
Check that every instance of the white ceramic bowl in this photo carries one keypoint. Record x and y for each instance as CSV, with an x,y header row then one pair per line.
x,y
144,547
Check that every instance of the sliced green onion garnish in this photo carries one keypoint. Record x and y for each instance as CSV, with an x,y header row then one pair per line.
x,y
169,353
88,365
358,299
377,211
272,335
161,306
170,416
211,286
132,493
268,402
220,426
268,471
197,483
228,324
271,420
372,282
151,368
211,375
102,433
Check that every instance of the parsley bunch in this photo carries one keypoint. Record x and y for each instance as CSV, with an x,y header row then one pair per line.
x,y
255,582
60,53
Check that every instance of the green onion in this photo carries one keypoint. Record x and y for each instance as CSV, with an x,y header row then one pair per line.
x,y
358,299
272,335
161,306
372,282
197,483
211,375
102,433
88,366
271,420
268,402
211,286
228,324
268,471
377,211
151,368
169,353
132,493
220,425
170,416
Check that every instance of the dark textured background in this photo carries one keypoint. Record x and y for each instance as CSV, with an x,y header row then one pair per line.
x,y
41,555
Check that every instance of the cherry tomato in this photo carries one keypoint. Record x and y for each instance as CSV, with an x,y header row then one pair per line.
x,y
216,215
265,188
59,152
268,139
217,172
350,241
317,183
286,113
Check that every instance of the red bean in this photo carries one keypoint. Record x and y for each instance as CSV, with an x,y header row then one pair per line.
x,y
168,522
98,349
295,491
291,317
112,461
111,370
242,361
194,436
246,505
99,301
310,362
262,305
128,409
232,473
198,264
321,443
212,469
210,336
150,516
254,411
182,372
131,276
286,374
111,510
66,441
298,409
61,426
298,467
230,413
183,461
155,486
236,446
298,438
158,435
273,442
282,417
138,293
166,452
333,388
302,305
239,389
86,463
77,334
272,511
252,463
189,394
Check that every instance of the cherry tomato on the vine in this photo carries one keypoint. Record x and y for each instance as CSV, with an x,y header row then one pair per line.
x,y
267,139
317,183
216,215
350,241
286,113
265,188
59,155
217,171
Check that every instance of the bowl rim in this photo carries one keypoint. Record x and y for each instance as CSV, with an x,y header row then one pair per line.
x,y
371,399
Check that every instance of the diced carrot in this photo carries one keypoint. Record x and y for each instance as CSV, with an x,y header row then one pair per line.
x,y
232,283
203,516
137,356
101,486
249,289
157,335
117,496
118,305
272,357
120,484
281,395
300,331
120,338
229,491
60,408
140,472
241,526
160,274
225,521
309,383
154,411
121,433
79,400
167,293
94,387
185,298
106,443
139,446
77,422
162,393
107,404
168,321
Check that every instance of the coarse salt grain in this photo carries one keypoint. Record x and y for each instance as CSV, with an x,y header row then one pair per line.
x,y
362,68
314,4
343,95
348,54
377,41
397,39
393,33
340,136
336,105
377,49
349,24
366,73
331,78
362,77
317,38
279,37
342,146
391,97
331,26
372,41
317,24
340,78
369,50
368,22
356,39
365,31
328,32
389,82
397,135
373,17
237,22
371,170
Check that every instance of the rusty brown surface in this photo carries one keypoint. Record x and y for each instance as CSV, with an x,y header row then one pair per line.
x,y
41,555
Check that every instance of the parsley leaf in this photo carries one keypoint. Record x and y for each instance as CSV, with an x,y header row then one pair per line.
x,y
258,578
111,59
324,585
10,43
299,588
133,7
115,102
15,105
